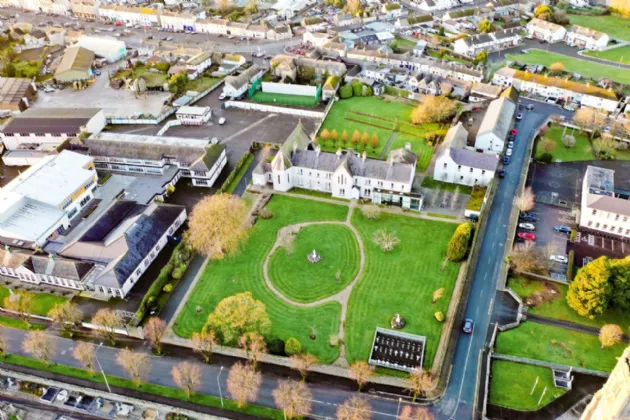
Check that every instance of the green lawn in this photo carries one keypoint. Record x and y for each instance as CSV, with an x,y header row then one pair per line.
x,y
152,78
243,272
201,84
617,55
551,299
164,391
401,281
585,68
282,99
447,57
511,386
558,345
19,324
418,145
239,175
301,281
42,302
429,182
338,120
581,151
615,26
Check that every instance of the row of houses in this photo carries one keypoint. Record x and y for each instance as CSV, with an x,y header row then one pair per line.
x,y
470,46
575,35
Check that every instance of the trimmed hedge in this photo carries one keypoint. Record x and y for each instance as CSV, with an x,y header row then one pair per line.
x,y
570,261
458,245
230,178
292,346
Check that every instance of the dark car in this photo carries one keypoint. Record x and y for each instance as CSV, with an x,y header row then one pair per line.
x,y
506,160
527,217
469,325
562,229
501,173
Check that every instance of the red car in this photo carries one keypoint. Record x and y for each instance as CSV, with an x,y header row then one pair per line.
x,y
514,132
527,236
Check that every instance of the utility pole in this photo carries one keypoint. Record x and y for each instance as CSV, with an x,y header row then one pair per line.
x,y
101,368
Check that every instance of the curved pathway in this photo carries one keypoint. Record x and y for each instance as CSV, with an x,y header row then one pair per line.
x,y
342,296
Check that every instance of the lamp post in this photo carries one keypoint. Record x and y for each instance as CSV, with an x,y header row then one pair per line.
x,y
219,384
101,367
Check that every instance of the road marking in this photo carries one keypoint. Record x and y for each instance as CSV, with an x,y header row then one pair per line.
x,y
461,386
491,303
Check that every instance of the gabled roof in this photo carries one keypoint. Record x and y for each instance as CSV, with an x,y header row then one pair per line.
x,y
586,32
76,59
454,146
498,118
298,138
58,267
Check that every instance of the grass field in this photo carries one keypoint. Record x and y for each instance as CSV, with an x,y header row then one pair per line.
x,y
299,280
616,55
555,305
511,386
239,175
42,302
581,151
338,120
243,272
401,281
575,65
201,84
152,78
19,324
418,146
558,345
615,26
282,99
429,182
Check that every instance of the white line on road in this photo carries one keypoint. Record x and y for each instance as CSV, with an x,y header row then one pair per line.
x,y
461,386
491,303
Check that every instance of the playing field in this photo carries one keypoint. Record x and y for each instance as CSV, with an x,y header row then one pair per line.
x,y
616,55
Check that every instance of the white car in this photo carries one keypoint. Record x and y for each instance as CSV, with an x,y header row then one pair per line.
x,y
527,226
222,96
508,152
221,121
559,259
48,89
569,108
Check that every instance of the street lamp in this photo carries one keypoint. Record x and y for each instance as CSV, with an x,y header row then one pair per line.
x,y
219,384
101,368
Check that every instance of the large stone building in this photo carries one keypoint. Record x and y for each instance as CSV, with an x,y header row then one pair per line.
x,y
496,123
612,402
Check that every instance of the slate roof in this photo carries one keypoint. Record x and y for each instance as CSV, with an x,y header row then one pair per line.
x,y
50,120
120,211
609,204
63,268
13,258
507,33
454,145
77,59
498,118
242,79
586,32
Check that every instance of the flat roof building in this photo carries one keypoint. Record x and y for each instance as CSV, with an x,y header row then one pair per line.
x,y
16,94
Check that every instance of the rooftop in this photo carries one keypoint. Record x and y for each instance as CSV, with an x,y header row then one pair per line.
x,y
498,118
51,120
76,59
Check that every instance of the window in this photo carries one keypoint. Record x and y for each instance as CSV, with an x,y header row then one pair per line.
x,y
459,167
625,219
627,232
138,271
445,165
590,223
471,170
594,212
617,218
279,179
483,172
461,178
342,192
597,226
612,228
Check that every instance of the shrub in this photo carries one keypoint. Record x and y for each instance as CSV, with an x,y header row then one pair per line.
x,y
276,346
168,288
369,91
570,260
371,212
458,245
345,91
357,89
152,303
163,66
385,240
292,346
573,235
439,316
545,158
177,273
333,340
265,214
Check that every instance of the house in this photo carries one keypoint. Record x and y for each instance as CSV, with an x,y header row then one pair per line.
x,y
16,94
86,9
316,39
178,21
579,36
545,31
298,163
110,49
346,19
483,92
40,203
392,10
433,5
604,206
314,24
237,28
496,124
495,41
36,39
280,32
75,65
47,128
212,26
419,48
193,115
286,67
458,164
257,31
157,155
557,88
236,86
198,64
612,401
579,3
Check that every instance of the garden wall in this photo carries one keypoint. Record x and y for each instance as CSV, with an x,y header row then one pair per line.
x,y
274,109
288,89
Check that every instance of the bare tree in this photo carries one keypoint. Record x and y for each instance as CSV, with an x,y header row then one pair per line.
x,y
187,376
548,145
294,398
526,201
355,408
204,343
568,141
371,211
67,315
525,258
21,303
302,362
589,119
418,413
385,240
254,345
154,331
107,321
243,383
136,363
418,382
40,345
610,334
224,5
556,68
85,353
361,372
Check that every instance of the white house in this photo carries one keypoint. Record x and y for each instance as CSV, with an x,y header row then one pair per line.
x,y
193,115
346,19
47,128
257,31
212,26
178,21
110,49
555,87
314,24
317,39
546,31
472,45
434,5
494,128
458,164
280,32
392,10
579,36
236,86
604,208
198,64
343,175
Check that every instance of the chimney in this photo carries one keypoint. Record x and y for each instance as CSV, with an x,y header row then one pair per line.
x,y
408,145
363,157
51,257
317,150
338,153
295,146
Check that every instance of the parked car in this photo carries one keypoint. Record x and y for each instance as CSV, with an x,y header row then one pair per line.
x,y
569,108
222,97
559,259
501,173
469,325
527,226
527,217
48,89
506,160
527,236
511,145
508,152
514,132
221,121
562,229
511,137
519,116
97,72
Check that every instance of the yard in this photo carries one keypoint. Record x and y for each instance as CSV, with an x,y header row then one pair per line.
x,y
575,65
429,182
282,99
376,115
418,146
401,281
42,303
580,152
615,26
201,84
511,386
301,281
152,78
244,272
558,345
616,55
550,300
